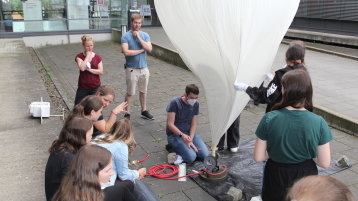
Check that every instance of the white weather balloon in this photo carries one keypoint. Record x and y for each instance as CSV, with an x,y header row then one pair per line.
x,y
226,41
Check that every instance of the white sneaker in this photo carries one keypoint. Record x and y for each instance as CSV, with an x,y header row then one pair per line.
x,y
256,198
178,160
234,149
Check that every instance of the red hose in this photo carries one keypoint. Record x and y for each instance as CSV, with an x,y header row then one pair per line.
x,y
156,171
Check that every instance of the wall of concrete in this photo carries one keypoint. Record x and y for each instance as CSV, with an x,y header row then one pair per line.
x,y
323,37
41,41
116,35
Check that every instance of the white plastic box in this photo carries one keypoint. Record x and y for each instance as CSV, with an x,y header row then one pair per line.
x,y
40,109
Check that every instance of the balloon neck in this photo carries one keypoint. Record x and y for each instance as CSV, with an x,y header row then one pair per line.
x,y
213,150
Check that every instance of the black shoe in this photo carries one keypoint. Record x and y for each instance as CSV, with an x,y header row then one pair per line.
x,y
169,148
146,115
128,116
221,148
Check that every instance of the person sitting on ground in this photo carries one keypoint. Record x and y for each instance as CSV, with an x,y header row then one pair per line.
x,y
291,138
75,133
182,123
91,67
318,188
106,94
90,107
272,94
90,169
121,143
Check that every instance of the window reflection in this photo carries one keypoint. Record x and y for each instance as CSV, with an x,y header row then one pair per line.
x,y
63,15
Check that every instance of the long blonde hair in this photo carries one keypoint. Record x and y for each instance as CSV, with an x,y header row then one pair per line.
x,y
317,187
120,131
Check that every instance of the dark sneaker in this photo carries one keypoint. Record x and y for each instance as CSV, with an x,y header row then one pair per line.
x,y
221,148
128,116
146,115
169,148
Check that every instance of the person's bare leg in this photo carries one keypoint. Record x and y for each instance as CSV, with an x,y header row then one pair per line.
x,y
143,100
128,98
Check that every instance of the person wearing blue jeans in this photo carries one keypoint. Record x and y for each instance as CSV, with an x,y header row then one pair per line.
x,y
182,123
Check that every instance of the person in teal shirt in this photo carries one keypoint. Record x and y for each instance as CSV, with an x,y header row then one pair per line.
x,y
291,138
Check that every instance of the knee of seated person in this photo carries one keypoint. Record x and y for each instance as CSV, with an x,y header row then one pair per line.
x,y
203,154
189,158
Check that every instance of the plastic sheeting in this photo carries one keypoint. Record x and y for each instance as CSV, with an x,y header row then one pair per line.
x,y
243,173
223,42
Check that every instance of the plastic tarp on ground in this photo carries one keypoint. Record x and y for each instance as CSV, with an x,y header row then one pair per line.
x,y
243,173
223,42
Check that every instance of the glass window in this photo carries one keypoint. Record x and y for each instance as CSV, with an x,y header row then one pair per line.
x,y
78,14
61,15
54,15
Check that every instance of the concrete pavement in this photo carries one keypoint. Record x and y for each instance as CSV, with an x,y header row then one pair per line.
x,y
168,81
23,141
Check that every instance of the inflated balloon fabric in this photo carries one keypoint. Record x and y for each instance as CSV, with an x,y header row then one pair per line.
x,y
226,41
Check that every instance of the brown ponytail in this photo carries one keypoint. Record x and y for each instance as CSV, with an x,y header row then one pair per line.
x,y
78,110
295,54
297,90
86,106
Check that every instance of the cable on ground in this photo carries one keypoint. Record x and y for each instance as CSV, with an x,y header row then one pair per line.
x,y
157,171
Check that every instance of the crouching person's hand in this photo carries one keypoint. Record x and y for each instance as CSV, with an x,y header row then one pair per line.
x,y
142,172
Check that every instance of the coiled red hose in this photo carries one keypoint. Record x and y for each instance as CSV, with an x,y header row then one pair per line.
x,y
157,170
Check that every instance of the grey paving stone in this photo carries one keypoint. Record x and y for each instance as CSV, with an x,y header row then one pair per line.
x,y
178,196
352,154
338,134
346,177
138,153
339,147
354,168
146,130
24,156
349,140
155,145
198,194
161,186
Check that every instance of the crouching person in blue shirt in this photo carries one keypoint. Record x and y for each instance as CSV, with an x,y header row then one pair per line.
x,y
182,123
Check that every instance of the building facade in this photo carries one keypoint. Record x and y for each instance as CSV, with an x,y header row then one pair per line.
x,y
19,18
328,16
46,17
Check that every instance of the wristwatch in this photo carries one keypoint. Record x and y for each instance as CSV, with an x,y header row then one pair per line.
x,y
180,134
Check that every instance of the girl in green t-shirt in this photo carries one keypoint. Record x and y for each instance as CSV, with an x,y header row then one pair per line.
x,y
291,138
